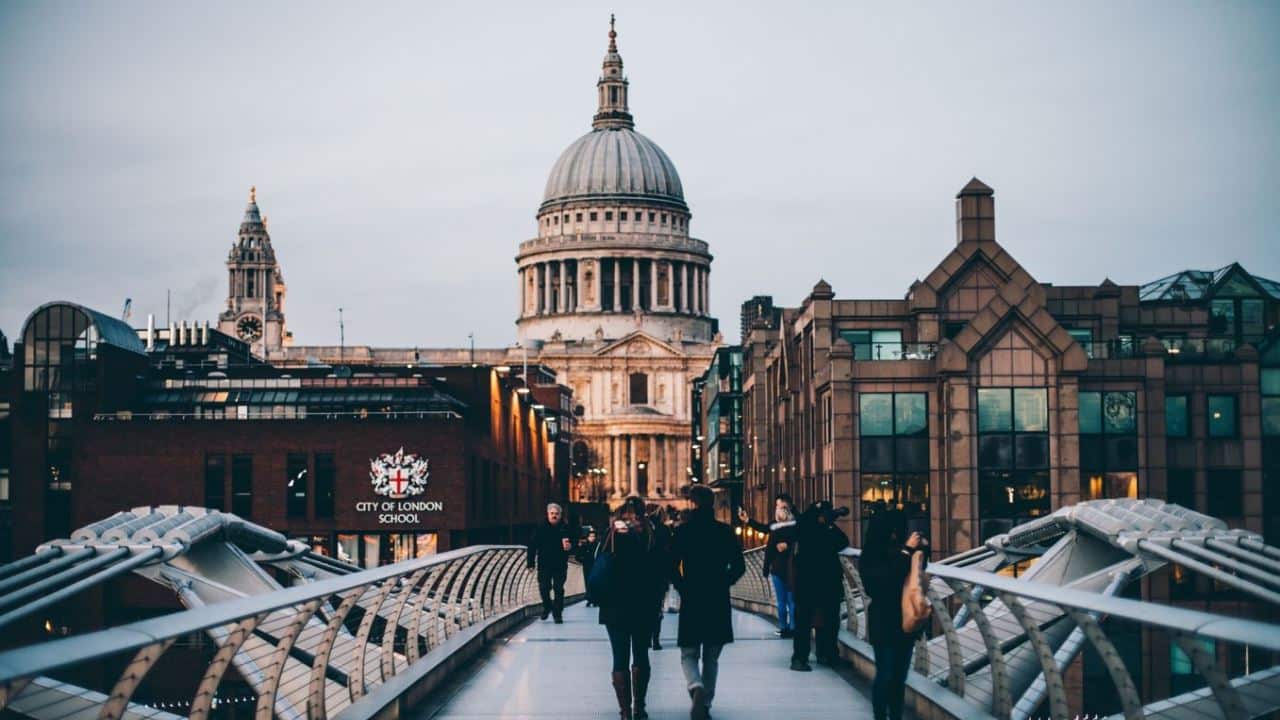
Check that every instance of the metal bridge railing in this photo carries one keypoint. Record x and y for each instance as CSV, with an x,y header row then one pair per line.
x,y
312,650
1007,648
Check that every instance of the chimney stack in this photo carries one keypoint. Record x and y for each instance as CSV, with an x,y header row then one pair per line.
x,y
975,213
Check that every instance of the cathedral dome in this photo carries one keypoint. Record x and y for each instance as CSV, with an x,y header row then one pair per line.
x,y
615,163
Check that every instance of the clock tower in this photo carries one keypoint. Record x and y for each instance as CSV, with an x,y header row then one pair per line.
x,y
255,290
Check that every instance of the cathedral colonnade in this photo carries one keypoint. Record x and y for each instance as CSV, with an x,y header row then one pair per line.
x,y
650,465
614,284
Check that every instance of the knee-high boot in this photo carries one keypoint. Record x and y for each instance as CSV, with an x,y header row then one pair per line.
x,y
639,686
622,688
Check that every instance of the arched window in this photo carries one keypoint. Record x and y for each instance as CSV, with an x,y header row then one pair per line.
x,y
639,389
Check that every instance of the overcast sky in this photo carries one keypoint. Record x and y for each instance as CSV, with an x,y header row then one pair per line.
x,y
400,151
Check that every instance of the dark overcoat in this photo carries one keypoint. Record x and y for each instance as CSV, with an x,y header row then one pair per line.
x,y
819,575
638,580
883,576
706,561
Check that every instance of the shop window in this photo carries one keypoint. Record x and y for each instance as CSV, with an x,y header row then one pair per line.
x,y
242,485
1220,415
894,454
215,482
296,480
1013,456
1176,423
325,476
1225,493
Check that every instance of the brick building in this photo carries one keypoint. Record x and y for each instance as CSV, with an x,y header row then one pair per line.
x,y
105,417
985,397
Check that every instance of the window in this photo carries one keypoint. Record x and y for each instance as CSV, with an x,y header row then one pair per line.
x,y
639,389
894,457
577,217
1174,343
664,218
1225,493
1220,415
1175,416
1182,487
1085,338
1185,678
557,220
1013,457
1109,444
215,472
242,485
295,479
4,485
622,216
652,215
874,344
608,215
1222,317
1271,402
594,216
566,218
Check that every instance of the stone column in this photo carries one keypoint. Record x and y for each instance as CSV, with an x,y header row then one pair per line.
x,y
706,291
546,288
653,284
635,284
671,286
615,469
696,302
564,286
684,287
598,281
654,465
617,286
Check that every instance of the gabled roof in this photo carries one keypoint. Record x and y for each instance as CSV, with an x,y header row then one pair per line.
x,y
1192,285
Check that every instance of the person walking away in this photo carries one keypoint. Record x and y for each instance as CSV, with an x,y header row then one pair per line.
x,y
549,550
884,566
586,554
706,562
818,585
629,610
662,537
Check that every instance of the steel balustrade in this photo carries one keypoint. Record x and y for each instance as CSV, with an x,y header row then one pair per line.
x,y
314,649
1008,617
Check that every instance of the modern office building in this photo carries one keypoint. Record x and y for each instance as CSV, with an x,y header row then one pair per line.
x,y
715,458
985,397
368,464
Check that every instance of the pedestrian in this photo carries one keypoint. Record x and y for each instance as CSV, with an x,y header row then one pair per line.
x,y
549,550
819,585
662,538
884,567
779,568
629,610
706,561
586,554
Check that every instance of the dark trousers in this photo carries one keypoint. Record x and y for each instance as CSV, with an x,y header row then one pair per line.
x,y
551,586
630,646
825,617
893,660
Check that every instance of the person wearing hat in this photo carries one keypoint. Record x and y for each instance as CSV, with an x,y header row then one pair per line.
x,y
818,585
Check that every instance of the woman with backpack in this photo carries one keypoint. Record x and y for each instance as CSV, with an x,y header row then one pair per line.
x,y
627,582
885,566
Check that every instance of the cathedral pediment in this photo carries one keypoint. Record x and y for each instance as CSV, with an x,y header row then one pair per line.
x,y
639,344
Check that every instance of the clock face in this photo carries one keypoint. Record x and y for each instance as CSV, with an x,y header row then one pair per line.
x,y
249,328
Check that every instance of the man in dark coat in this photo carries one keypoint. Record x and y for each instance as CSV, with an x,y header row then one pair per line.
x,y
706,561
549,550
819,584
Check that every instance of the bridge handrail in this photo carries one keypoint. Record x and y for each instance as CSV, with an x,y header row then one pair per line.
x,y
1186,620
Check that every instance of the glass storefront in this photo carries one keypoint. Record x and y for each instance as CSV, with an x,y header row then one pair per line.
x,y
370,550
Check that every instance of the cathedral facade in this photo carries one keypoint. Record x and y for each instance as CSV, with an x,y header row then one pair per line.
x,y
614,295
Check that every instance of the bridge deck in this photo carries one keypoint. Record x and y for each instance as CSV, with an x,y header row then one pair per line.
x,y
562,671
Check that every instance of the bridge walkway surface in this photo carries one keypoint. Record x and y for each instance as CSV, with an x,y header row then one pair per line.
x,y
546,670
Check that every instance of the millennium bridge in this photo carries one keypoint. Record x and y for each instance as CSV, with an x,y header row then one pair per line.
x,y
1048,620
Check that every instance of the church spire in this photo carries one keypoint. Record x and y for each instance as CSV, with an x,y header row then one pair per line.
x,y
613,112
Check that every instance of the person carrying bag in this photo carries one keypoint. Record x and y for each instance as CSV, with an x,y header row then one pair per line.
x,y
892,570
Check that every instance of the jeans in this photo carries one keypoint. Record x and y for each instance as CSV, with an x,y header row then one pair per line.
x,y
629,646
710,667
893,660
551,582
786,603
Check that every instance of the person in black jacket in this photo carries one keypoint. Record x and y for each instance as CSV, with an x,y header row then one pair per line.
x,y
819,585
586,554
549,549
629,609
706,561
779,568
662,537
884,567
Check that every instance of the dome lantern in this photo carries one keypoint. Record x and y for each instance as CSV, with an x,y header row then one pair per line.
x,y
612,90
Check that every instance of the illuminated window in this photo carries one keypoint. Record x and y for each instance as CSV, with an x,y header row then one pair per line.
x,y
1220,415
